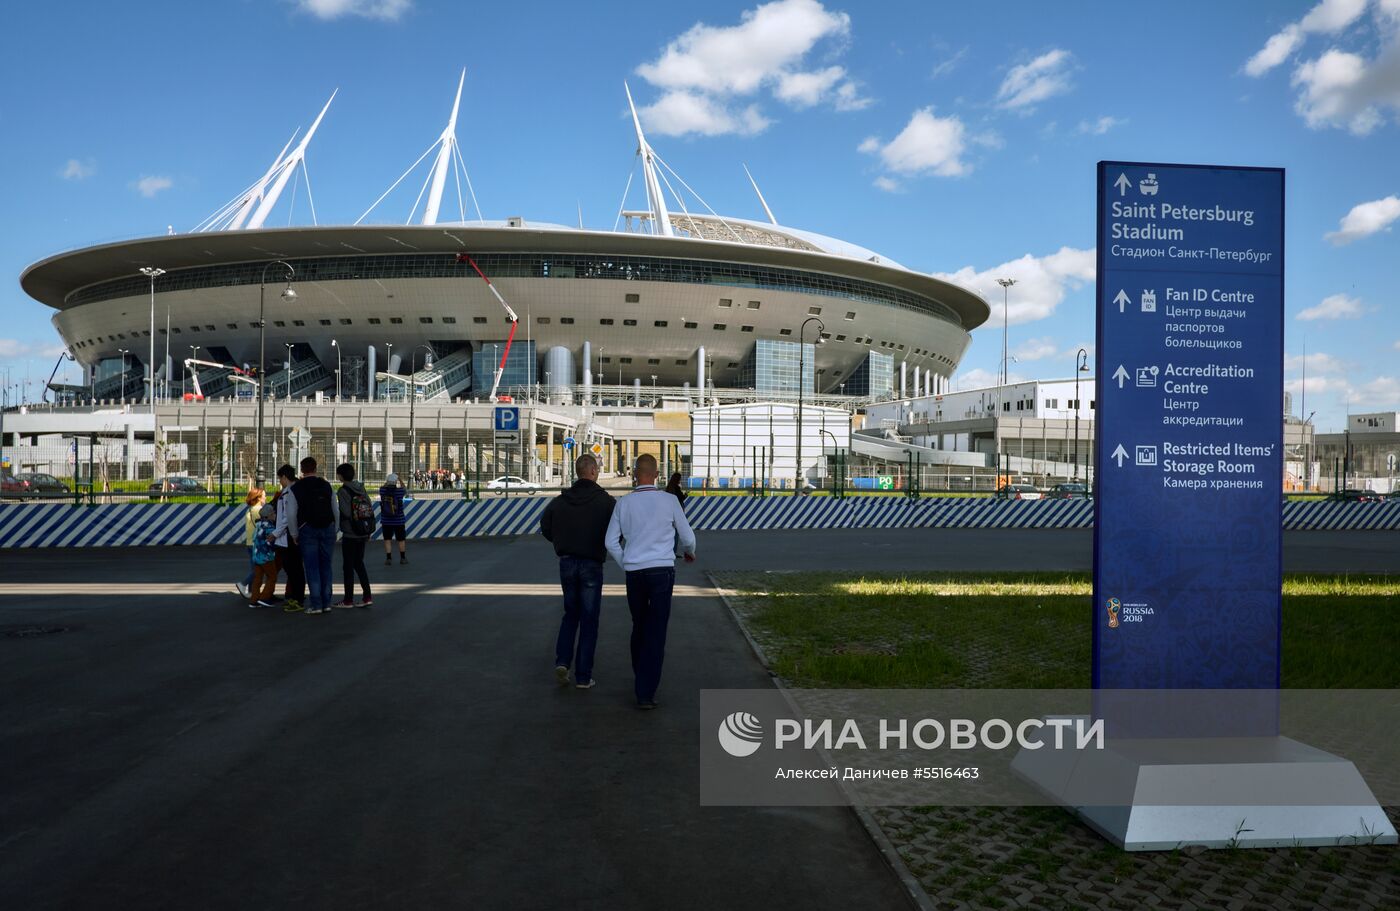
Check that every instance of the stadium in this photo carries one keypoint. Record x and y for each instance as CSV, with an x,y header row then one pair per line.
x,y
669,296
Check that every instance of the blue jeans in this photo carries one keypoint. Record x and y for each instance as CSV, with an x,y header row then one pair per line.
x,y
317,546
582,581
649,600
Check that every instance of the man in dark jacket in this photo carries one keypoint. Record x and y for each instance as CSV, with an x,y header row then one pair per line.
x,y
575,522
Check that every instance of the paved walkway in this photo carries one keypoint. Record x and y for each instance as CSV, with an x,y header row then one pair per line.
x,y
175,749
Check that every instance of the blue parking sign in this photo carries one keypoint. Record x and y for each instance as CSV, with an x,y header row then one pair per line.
x,y
507,419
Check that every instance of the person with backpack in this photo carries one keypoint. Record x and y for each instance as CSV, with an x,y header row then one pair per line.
x,y
313,514
356,525
391,517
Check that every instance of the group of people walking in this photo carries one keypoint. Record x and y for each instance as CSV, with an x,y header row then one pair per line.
x,y
295,532
644,532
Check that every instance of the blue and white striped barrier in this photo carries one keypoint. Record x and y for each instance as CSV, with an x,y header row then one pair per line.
x,y
155,524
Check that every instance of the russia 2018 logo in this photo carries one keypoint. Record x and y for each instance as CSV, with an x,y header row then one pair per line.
x,y
1114,606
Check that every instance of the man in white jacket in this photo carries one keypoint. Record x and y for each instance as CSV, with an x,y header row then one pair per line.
x,y
646,531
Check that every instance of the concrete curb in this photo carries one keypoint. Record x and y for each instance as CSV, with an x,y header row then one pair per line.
x,y
918,898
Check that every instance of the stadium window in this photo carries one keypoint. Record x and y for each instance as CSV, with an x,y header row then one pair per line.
x,y
605,321
325,322
1005,406
478,319
814,311
279,323
726,302
566,320
542,321
633,298
720,327
731,365
625,360
374,321
452,319
233,325
746,328
1092,404
605,360
753,305
682,363
660,324
826,336
653,361
690,325
840,338
210,328
850,314
425,320
396,320
345,322
176,329
629,322
785,332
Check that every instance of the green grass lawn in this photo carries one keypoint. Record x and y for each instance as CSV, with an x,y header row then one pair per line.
x,y
1027,630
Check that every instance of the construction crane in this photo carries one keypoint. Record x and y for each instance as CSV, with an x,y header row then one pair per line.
x,y
510,315
239,375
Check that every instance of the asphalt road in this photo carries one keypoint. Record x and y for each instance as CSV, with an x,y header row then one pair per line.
x,y
175,749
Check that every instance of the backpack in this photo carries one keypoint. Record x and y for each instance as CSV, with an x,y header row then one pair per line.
x,y
314,503
361,513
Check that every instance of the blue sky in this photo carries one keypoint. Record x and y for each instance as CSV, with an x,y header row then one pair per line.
x,y
954,138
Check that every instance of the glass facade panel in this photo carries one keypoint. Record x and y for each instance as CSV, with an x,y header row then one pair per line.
x,y
874,376
520,366
772,366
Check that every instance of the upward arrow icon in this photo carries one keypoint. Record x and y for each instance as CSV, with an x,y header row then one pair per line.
x,y
1119,454
1120,375
1121,300
1122,183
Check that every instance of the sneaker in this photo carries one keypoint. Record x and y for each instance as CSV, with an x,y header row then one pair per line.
x,y
586,685
348,602
647,706
561,673
368,602
403,559
242,590
291,606
263,604
314,610
388,560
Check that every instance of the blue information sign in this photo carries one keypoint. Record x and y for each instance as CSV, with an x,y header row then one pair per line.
x,y
507,418
1189,407
569,442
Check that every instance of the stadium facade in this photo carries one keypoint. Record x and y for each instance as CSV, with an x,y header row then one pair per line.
x,y
674,297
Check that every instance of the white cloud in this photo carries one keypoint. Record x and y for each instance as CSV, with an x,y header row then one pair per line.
x,y
704,70
1036,349
14,348
1031,83
927,145
978,378
1397,345
1383,390
1316,364
78,170
1335,306
888,184
1328,17
1041,283
150,185
367,9
947,65
1366,219
1100,126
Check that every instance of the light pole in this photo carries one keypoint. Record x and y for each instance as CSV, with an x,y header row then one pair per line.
x,y
125,352
288,346
336,346
152,273
288,295
1081,365
1006,284
412,401
835,450
801,384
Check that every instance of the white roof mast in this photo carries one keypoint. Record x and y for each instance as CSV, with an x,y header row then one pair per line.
x,y
661,219
287,165
255,194
446,145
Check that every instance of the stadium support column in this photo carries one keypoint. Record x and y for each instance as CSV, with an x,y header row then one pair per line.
x,y
700,373
587,372
903,379
369,383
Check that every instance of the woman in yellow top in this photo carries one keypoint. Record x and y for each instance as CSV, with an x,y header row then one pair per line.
x,y
254,501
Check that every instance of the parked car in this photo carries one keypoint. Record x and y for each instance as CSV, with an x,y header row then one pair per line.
x,y
1355,495
13,485
40,483
1070,491
176,486
512,482
1022,492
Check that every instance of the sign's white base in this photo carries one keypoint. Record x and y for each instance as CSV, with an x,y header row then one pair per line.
x,y
1214,793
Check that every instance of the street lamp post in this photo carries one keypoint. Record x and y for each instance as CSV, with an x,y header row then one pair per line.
x,y
412,401
288,346
801,384
152,273
289,295
336,346
125,352
194,354
1081,365
1006,284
